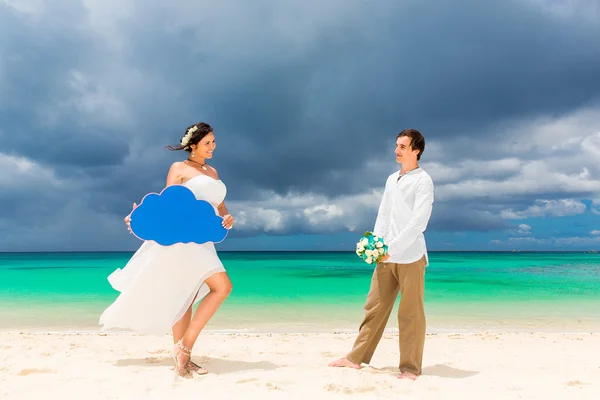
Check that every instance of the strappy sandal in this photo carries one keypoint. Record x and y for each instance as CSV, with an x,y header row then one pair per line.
x,y
192,366
180,350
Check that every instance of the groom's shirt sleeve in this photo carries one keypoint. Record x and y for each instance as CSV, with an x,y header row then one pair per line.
x,y
381,223
419,219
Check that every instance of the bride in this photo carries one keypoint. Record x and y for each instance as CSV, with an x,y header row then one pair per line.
x,y
160,284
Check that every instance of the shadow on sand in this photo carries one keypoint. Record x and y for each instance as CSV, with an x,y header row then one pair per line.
x,y
214,365
441,370
444,371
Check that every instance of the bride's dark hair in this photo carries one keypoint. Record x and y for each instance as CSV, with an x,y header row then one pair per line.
x,y
202,129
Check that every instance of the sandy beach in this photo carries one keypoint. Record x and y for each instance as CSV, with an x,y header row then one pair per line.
x,y
519,365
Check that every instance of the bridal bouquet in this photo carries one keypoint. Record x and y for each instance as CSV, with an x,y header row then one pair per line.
x,y
371,248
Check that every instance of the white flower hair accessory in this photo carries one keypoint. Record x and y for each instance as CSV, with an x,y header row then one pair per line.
x,y
185,140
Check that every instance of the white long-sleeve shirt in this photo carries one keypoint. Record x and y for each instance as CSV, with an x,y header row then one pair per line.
x,y
403,215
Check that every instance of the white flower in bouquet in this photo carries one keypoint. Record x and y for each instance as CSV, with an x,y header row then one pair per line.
x,y
371,248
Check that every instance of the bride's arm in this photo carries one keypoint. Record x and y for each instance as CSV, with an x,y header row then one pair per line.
x,y
174,175
173,178
223,212
222,209
227,218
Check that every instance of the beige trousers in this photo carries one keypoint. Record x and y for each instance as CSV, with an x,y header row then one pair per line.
x,y
389,279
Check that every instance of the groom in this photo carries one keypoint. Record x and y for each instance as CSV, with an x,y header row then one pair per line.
x,y
402,218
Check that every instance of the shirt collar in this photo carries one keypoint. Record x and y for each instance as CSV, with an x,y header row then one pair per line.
x,y
400,175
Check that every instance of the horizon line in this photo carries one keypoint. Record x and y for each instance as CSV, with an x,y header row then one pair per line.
x,y
311,251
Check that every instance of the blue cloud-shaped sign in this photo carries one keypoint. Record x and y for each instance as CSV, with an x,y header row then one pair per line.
x,y
176,216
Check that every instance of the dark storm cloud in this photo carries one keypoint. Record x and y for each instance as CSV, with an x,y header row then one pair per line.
x,y
301,98
334,107
39,116
452,83
286,115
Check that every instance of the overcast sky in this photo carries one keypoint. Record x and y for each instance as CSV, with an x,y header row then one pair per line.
x,y
306,99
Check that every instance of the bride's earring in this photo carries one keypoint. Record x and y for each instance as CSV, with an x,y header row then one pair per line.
x,y
192,155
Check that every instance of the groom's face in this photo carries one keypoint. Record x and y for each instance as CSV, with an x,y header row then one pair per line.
x,y
404,151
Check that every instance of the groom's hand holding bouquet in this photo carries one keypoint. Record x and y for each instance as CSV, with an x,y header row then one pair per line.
x,y
372,248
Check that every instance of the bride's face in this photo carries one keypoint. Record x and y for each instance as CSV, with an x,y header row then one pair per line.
x,y
205,147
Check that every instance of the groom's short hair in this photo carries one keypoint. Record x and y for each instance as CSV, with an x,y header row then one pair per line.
x,y
417,141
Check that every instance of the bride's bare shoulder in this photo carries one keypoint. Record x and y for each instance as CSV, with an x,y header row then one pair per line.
x,y
176,172
178,165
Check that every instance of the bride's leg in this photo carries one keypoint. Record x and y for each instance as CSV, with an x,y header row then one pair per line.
x,y
182,355
220,288
178,331
182,325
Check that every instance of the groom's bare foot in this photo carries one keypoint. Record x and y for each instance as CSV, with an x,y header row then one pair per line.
x,y
344,362
408,375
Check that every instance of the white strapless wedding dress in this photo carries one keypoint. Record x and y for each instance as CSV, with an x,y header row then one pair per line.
x,y
159,283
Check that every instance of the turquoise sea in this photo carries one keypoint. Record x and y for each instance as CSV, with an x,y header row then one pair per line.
x,y
322,291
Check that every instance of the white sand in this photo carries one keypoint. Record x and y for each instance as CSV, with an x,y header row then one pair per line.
x,y
294,366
